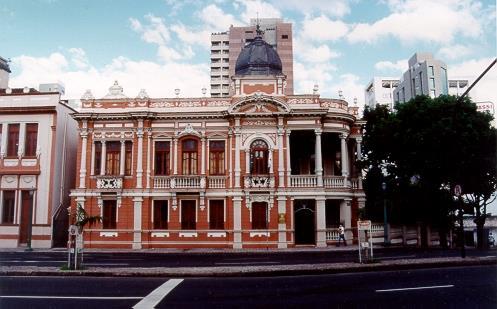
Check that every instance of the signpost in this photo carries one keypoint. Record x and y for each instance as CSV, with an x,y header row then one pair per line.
x,y
457,193
365,241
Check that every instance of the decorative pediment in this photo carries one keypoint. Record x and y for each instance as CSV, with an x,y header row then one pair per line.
x,y
259,104
188,130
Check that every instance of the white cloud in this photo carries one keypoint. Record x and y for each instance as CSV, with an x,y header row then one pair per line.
x,y
79,57
452,52
351,87
307,75
323,29
398,66
252,8
321,53
423,20
337,8
191,36
216,19
484,90
159,80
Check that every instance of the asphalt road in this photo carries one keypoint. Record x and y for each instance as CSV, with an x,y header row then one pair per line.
x,y
212,259
458,287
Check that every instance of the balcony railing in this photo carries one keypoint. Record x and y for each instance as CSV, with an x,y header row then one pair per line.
x,y
303,181
109,182
334,181
217,182
259,181
189,182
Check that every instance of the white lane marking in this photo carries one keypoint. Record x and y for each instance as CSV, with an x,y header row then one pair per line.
x,y
106,264
71,297
154,298
418,288
244,259
245,263
12,261
397,257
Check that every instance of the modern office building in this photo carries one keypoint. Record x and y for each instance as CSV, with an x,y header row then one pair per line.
x,y
226,46
255,169
425,76
38,138
380,91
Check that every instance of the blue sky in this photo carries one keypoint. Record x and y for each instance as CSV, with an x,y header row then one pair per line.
x,y
164,44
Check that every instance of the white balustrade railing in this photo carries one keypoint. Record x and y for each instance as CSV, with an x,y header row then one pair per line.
x,y
334,181
332,234
179,182
162,182
217,182
354,183
303,181
376,228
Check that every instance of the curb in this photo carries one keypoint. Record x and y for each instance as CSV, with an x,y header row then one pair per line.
x,y
252,271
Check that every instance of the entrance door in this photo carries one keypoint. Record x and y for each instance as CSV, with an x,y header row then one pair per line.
x,y
26,211
305,231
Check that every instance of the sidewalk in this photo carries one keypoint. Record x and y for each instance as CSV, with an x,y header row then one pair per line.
x,y
246,271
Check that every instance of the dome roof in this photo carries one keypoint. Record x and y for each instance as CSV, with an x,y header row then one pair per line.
x,y
258,58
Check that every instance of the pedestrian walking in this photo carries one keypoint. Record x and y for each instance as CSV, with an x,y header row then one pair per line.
x,y
341,235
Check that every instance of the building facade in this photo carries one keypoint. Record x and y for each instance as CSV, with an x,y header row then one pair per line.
x,y
425,76
226,46
253,170
380,91
37,139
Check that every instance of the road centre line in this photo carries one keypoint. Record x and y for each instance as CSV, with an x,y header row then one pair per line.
x,y
154,298
71,297
106,264
16,261
417,288
397,257
245,263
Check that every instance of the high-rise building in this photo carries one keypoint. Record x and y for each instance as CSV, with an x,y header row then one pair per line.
x,y
425,76
226,46
380,91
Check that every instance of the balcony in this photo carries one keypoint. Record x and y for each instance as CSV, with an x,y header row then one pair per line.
x,y
25,165
259,181
303,181
189,182
109,182
334,181
217,182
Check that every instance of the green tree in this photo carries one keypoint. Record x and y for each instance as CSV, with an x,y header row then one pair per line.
x,y
421,150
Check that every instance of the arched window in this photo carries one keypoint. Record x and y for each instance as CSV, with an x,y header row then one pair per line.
x,y
189,156
259,157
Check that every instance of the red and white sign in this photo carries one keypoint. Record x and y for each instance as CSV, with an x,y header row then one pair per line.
x,y
485,107
364,225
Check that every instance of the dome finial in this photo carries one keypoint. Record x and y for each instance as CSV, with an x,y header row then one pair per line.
x,y
258,27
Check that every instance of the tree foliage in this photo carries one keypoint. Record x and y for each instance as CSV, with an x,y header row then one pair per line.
x,y
421,150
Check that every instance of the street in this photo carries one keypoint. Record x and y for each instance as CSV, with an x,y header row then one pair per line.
x,y
213,259
454,287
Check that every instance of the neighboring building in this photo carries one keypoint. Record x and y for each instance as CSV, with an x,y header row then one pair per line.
x,y
425,76
226,46
257,169
458,86
4,73
380,91
38,138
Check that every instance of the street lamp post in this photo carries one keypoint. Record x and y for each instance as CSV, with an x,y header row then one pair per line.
x,y
386,241
30,221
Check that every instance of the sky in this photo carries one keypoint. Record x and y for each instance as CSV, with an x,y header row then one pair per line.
x,y
161,45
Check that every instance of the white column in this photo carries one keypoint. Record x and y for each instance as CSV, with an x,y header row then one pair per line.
x,y
344,155
281,166
3,141
321,222
139,157
237,152
82,166
282,222
22,138
175,156
319,161
230,152
288,161
359,148
102,158
346,218
149,154
202,160
247,161
270,160
121,159
92,160
237,222
137,222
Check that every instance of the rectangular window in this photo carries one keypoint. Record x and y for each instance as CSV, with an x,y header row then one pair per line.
x,y
444,83
189,156
97,163
12,140
113,156
216,157
160,214
421,83
9,198
413,91
216,214
430,70
284,36
110,213
188,215
128,157
162,158
432,93
432,83
259,216
31,139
